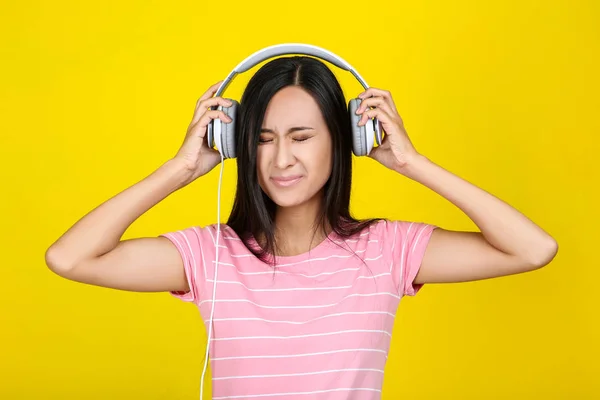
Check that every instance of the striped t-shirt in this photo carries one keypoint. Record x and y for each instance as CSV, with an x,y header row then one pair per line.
x,y
318,326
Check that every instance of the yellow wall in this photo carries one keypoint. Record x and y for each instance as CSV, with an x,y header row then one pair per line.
x,y
94,96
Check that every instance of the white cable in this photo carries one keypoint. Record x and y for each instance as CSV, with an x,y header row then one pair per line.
x,y
215,281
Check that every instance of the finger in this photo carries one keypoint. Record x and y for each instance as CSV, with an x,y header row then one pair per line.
x,y
374,152
379,102
205,104
373,92
206,116
199,129
374,113
209,93
210,115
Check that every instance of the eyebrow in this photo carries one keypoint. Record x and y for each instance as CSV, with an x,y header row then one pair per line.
x,y
292,129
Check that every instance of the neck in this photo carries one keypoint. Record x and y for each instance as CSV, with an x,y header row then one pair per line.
x,y
297,229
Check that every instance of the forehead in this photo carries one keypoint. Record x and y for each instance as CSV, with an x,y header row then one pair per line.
x,y
292,105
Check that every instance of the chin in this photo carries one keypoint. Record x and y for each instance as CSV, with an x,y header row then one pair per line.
x,y
291,199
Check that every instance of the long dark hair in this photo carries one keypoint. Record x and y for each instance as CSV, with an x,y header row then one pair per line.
x,y
253,213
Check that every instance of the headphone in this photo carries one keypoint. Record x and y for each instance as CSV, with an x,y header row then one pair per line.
x,y
223,134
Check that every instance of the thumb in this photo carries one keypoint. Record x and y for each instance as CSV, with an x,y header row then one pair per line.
x,y
375,152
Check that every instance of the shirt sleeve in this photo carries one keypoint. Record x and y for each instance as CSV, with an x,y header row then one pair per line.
x,y
405,245
190,243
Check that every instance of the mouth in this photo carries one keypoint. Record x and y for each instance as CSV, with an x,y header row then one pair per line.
x,y
286,181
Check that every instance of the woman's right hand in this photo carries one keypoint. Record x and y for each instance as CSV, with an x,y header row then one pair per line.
x,y
197,157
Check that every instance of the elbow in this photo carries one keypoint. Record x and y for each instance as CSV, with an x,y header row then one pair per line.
x,y
544,253
56,262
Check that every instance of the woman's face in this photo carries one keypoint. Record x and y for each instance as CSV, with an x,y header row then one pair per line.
x,y
294,150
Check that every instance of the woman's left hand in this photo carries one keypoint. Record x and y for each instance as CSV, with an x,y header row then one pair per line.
x,y
396,150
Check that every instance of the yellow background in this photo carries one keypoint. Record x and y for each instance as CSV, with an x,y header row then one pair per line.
x,y
95,96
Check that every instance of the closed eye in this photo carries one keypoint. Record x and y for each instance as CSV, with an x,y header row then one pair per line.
x,y
295,139
301,138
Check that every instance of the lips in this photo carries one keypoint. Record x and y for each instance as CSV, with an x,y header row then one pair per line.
x,y
286,180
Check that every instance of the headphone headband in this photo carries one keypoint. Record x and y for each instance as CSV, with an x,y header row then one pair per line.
x,y
289,48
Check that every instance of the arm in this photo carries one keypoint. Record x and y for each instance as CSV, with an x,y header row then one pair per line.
x,y
508,243
92,252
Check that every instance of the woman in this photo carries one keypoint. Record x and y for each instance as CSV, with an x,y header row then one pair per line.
x,y
306,294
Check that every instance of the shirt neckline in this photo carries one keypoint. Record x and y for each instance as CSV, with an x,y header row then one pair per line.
x,y
326,244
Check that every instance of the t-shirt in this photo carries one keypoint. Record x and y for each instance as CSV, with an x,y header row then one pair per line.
x,y
317,325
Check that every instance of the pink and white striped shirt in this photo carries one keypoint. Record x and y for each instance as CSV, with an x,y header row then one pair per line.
x,y
318,326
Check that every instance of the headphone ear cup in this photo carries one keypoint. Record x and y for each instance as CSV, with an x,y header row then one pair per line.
x,y
228,130
210,134
359,133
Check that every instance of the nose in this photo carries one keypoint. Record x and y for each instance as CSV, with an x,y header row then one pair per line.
x,y
284,156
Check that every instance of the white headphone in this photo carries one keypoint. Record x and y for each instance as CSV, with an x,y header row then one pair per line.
x,y
223,134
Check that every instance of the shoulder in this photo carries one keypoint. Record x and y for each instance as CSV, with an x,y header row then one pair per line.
x,y
194,237
225,237
207,232
392,227
399,235
403,245
379,230
204,240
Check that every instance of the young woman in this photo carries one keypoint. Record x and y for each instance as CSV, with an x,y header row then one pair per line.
x,y
306,294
